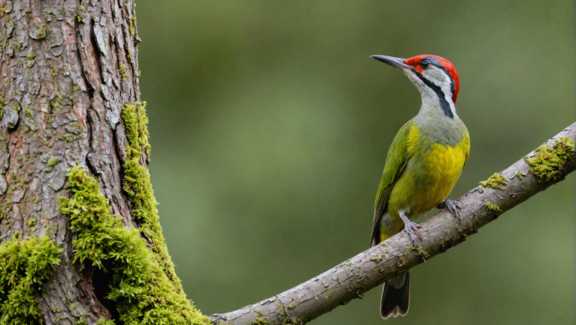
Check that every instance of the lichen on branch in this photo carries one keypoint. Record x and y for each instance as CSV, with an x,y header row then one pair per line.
x,y
492,206
141,289
548,163
24,266
495,181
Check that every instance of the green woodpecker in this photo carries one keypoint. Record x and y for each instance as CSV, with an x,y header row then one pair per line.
x,y
423,164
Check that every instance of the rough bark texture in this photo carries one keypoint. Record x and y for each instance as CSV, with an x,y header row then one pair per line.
x,y
68,67
350,279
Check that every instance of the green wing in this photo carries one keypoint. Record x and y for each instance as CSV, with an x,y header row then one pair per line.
x,y
395,162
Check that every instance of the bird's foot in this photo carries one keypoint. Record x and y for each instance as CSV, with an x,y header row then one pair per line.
x,y
412,229
452,206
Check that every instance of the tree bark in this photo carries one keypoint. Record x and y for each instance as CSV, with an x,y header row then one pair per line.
x,y
535,172
68,68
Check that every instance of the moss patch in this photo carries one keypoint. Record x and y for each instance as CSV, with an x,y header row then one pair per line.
x,y
138,187
24,265
492,206
41,34
53,161
132,23
79,13
102,321
495,181
259,321
141,289
548,163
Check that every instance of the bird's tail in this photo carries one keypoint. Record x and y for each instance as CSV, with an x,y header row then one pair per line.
x,y
396,296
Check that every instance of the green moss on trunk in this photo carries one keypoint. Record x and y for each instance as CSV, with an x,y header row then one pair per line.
x,y
142,290
138,187
24,265
53,161
102,321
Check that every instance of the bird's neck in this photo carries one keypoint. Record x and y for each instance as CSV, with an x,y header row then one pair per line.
x,y
434,124
437,104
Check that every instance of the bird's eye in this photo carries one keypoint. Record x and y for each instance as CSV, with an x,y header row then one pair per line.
x,y
424,63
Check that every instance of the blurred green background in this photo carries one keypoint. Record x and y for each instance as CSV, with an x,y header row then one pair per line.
x,y
270,126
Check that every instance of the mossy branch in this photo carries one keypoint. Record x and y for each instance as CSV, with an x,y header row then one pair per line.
x,y
541,168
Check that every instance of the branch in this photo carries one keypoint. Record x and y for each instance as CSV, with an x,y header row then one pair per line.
x,y
350,279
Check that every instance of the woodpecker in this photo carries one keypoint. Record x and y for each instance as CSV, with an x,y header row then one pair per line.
x,y
423,164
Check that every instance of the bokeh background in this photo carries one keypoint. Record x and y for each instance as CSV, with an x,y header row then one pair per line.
x,y
270,126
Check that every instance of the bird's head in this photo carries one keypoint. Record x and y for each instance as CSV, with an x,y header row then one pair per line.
x,y
434,76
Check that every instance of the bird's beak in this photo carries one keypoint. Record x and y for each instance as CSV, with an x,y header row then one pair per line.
x,y
390,60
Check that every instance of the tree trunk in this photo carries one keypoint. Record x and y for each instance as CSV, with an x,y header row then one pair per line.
x,y
69,68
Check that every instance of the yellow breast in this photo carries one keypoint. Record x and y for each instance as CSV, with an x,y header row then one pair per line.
x,y
429,176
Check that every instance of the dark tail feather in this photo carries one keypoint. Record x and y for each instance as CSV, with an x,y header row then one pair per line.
x,y
396,296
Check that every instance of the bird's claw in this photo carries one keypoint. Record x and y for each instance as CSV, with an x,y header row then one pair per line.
x,y
412,229
452,207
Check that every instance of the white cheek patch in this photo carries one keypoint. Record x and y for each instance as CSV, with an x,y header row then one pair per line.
x,y
439,78
436,75
435,86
